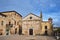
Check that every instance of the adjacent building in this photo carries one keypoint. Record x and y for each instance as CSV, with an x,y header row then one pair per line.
x,y
12,23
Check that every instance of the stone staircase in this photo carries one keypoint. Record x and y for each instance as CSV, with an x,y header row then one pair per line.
x,y
23,37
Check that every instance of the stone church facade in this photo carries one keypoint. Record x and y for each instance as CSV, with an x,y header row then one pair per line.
x,y
34,25
12,23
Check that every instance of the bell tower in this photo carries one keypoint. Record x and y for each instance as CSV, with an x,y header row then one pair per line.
x,y
41,15
40,21
50,20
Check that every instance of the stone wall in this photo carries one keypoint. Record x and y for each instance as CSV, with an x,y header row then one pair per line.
x,y
13,19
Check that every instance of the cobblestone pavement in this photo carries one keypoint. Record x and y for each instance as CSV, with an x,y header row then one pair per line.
x,y
23,37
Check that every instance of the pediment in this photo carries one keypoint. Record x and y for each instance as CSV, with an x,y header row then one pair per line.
x,y
31,17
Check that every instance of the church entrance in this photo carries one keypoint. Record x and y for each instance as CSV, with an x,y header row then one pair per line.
x,y
30,31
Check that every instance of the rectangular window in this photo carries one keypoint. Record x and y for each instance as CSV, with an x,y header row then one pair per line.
x,y
2,23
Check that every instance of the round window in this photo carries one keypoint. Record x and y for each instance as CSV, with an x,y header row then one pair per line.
x,y
30,17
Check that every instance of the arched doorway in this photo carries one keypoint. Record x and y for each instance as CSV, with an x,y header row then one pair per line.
x,y
46,33
15,30
30,31
0,33
7,31
20,30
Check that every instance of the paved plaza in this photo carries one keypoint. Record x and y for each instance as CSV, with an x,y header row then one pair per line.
x,y
24,37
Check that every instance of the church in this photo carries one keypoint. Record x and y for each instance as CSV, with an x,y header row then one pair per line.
x,y
11,22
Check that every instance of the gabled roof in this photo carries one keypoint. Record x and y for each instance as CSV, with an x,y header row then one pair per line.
x,y
32,14
11,11
3,15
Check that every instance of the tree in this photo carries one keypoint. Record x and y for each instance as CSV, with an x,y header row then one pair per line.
x,y
58,30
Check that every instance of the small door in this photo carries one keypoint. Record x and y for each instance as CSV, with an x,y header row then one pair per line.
x,y
30,31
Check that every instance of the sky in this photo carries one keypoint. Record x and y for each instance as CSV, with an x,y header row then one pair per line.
x,y
49,8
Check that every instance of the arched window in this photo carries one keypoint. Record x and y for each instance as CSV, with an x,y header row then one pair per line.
x,y
45,27
11,25
15,30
